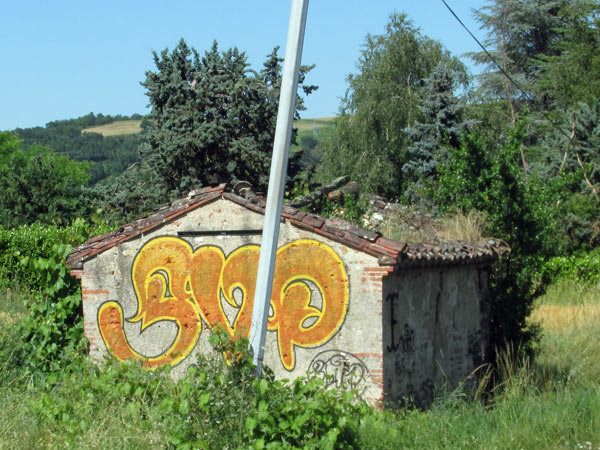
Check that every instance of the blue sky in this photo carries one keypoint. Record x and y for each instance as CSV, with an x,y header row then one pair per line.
x,y
65,58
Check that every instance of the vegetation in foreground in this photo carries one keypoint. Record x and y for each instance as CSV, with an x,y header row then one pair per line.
x,y
53,396
553,403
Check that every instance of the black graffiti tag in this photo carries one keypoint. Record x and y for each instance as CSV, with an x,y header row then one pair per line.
x,y
392,298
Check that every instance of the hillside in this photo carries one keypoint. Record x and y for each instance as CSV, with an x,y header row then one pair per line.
x,y
109,142
125,127
116,128
311,133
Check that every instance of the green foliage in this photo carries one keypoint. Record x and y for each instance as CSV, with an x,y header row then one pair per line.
x,y
32,260
37,241
582,155
53,328
282,415
465,180
570,74
303,415
38,185
577,216
129,196
519,31
121,405
369,143
583,267
9,144
109,155
442,126
516,209
212,119
216,405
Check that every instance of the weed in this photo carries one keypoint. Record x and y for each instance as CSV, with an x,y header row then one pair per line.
x,y
470,227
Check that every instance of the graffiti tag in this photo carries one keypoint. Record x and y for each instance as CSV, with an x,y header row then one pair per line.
x,y
405,358
392,298
173,282
341,369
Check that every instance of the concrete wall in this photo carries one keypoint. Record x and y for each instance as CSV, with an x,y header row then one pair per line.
x,y
434,326
154,298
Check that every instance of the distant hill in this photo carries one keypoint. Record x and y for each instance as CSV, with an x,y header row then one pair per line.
x,y
311,135
310,124
110,142
110,151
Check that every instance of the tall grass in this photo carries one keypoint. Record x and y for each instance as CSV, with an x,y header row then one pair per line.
x,y
550,403
462,227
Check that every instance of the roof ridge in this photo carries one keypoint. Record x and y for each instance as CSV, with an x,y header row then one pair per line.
x,y
388,251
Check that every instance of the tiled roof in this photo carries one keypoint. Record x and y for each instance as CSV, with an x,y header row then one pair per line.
x,y
389,251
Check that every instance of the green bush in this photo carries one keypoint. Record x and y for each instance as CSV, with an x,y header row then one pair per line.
x,y
53,328
583,267
218,404
514,205
37,241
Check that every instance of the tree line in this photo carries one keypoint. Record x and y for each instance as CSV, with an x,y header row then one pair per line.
x,y
109,155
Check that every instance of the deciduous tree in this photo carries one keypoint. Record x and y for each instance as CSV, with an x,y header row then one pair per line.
x,y
369,142
39,186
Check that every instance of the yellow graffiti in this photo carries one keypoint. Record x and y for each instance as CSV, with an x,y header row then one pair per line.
x,y
161,275
297,263
174,283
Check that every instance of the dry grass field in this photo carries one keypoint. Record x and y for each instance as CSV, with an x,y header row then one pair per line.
x,y
567,305
117,128
557,318
121,127
308,124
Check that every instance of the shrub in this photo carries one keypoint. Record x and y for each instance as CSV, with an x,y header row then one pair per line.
x,y
219,404
583,267
515,207
53,328
37,241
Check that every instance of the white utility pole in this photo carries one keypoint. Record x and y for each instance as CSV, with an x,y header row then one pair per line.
x,y
281,148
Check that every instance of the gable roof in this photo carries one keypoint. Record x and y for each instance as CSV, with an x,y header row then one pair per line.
x,y
388,251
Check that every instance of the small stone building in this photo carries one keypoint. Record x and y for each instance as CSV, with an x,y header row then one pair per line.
x,y
390,319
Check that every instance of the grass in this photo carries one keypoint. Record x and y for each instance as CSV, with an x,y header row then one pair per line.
x,y
569,314
464,228
117,128
309,124
13,307
123,127
552,403
407,224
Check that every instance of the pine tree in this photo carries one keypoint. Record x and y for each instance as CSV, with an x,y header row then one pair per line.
x,y
570,75
519,31
213,119
441,126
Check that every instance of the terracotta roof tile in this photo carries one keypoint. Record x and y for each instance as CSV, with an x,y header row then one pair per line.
x,y
391,243
131,230
388,251
313,220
